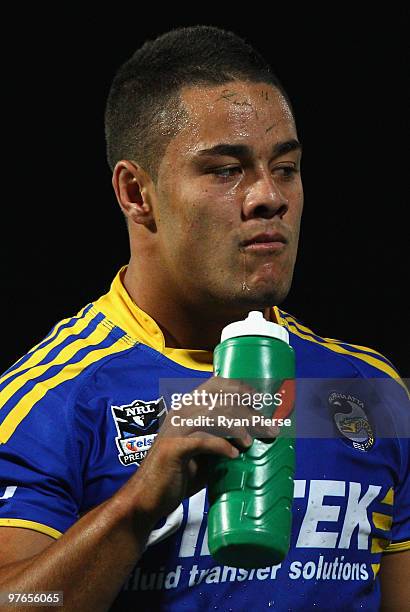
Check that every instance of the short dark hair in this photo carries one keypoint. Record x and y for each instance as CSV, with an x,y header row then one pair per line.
x,y
142,109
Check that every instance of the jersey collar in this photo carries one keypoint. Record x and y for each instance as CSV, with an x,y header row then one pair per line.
x,y
118,306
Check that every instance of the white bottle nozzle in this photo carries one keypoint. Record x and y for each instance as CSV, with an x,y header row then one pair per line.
x,y
255,325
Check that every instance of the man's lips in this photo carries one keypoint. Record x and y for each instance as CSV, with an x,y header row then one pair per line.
x,y
264,242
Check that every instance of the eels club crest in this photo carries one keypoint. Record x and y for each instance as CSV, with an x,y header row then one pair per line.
x,y
351,421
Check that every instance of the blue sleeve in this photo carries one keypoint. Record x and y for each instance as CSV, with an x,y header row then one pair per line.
x,y
397,398
400,531
395,401
40,484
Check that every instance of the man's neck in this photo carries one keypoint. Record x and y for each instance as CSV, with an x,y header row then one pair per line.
x,y
183,326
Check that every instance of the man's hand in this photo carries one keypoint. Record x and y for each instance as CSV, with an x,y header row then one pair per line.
x,y
92,560
176,465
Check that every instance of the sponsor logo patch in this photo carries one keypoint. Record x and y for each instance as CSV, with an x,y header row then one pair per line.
x,y
137,426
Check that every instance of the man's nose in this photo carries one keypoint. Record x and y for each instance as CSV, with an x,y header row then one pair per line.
x,y
264,199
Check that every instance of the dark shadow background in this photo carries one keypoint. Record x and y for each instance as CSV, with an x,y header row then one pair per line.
x,y
63,236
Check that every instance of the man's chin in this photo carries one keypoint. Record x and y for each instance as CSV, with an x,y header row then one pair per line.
x,y
263,294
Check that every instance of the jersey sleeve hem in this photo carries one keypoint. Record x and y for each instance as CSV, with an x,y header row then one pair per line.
x,y
397,546
50,531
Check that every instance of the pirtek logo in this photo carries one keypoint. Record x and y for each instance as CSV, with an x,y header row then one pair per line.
x,y
7,492
352,518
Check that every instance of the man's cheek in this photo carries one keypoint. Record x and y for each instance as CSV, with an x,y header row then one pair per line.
x,y
201,225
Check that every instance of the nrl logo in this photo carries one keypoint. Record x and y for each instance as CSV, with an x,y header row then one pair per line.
x,y
352,421
137,426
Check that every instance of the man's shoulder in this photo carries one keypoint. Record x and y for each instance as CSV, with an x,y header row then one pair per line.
x,y
72,345
368,361
55,369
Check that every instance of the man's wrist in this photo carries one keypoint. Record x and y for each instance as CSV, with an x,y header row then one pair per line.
x,y
130,511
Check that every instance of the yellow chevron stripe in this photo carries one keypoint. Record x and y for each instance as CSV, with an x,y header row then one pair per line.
x,y
50,531
398,547
286,316
70,371
97,336
382,521
58,326
332,340
389,498
375,568
379,544
29,352
38,356
56,330
381,365
358,346
278,315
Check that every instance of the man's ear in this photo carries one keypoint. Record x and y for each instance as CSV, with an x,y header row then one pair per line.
x,y
135,191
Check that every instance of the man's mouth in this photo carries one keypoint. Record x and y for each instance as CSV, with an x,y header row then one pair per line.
x,y
264,242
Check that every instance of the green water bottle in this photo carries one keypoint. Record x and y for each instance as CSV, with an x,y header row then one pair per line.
x,y
250,497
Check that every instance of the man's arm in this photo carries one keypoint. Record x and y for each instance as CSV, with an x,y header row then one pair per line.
x,y
89,563
92,560
395,581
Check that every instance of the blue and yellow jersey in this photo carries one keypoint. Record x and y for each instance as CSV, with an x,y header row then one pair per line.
x,y
79,412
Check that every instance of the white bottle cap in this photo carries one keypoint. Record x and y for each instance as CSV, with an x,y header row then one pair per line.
x,y
255,325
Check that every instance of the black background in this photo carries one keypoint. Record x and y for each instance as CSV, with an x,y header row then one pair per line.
x,y
63,236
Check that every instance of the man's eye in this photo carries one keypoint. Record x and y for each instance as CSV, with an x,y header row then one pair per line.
x,y
226,171
288,171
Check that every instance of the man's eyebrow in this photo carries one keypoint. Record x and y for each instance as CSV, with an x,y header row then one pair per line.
x,y
226,149
231,150
285,147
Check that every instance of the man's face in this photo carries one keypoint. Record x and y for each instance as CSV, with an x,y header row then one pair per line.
x,y
230,197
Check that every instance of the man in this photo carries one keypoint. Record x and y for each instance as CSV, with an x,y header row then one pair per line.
x,y
205,155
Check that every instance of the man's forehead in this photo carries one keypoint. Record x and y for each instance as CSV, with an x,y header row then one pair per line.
x,y
240,97
238,109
